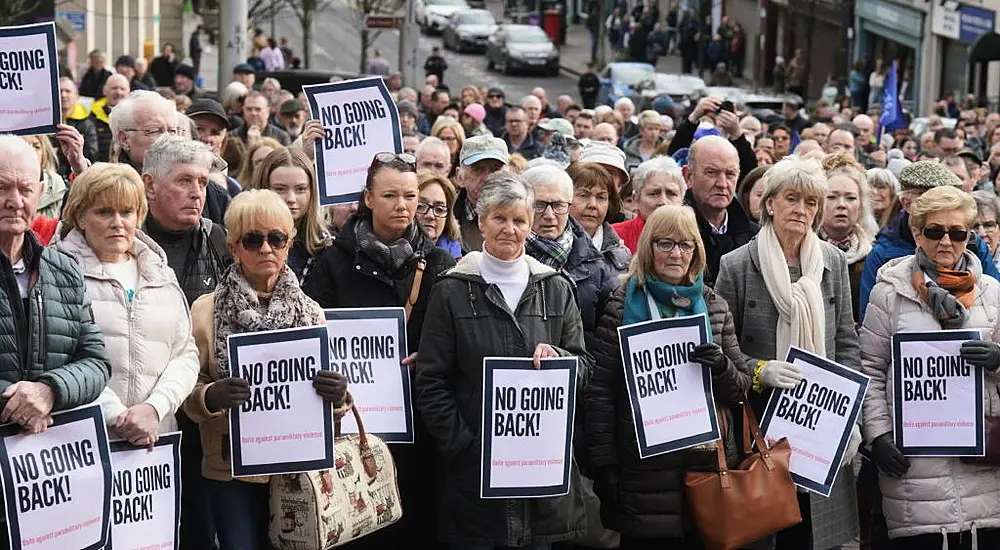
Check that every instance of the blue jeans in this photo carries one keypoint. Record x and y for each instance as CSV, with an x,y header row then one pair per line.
x,y
241,512
477,546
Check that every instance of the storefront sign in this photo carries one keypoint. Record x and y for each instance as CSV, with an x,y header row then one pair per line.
x,y
944,19
974,22
892,16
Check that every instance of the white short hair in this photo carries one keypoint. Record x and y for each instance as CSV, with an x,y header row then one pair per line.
x,y
549,175
624,101
429,142
168,151
232,92
16,147
504,188
123,115
657,165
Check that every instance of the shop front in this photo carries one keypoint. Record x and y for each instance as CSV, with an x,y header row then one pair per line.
x,y
956,26
892,32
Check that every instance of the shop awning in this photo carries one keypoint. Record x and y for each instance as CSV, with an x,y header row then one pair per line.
x,y
986,48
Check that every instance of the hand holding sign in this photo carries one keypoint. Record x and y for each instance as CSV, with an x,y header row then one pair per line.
x,y
139,425
227,393
780,374
543,351
331,386
311,132
710,355
981,353
28,404
71,145
888,457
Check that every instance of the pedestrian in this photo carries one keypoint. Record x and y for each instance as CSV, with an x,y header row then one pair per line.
x,y
194,50
797,78
92,83
379,65
737,51
688,43
780,75
613,26
162,68
589,85
436,65
272,57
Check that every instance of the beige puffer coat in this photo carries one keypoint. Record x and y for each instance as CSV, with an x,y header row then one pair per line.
x,y
937,494
153,355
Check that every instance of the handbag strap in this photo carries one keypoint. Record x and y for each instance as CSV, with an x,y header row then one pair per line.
x,y
720,448
367,457
752,428
418,276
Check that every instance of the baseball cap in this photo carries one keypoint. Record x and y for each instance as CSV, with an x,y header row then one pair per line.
x,y
560,125
291,107
243,68
208,107
479,148
927,174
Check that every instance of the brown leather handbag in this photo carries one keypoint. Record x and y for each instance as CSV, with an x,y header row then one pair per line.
x,y
732,508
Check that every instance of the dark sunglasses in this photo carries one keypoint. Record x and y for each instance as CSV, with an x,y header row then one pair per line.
x,y
495,96
938,233
254,240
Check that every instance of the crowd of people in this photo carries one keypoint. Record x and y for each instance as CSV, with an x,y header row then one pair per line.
x,y
159,222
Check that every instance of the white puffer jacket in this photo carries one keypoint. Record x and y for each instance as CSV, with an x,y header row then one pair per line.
x,y
154,359
937,494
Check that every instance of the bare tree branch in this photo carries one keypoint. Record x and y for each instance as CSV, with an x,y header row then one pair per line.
x,y
11,11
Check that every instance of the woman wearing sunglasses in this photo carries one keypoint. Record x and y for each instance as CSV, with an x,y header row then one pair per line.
x,y
258,292
643,499
381,257
288,172
787,287
933,502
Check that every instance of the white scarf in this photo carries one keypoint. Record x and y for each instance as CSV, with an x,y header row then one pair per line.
x,y
801,313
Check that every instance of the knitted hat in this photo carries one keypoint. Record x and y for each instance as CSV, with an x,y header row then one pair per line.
x,y
405,106
476,111
927,174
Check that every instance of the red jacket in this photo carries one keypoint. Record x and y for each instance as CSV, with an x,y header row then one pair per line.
x,y
629,232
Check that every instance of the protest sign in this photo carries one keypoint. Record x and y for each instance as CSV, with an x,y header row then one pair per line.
x,y
367,346
57,484
527,427
146,494
937,398
359,120
670,396
285,427
29,80
817,417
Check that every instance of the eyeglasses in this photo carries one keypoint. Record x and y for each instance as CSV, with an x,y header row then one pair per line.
x,y
157,132
440,210
985,226
667,246
558,207
254,240
448,138
938,233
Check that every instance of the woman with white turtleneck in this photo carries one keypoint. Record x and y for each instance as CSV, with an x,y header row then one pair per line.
x,y
496,303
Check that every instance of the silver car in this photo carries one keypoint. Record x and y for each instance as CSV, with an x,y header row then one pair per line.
x,y
522,48
469,30
432,15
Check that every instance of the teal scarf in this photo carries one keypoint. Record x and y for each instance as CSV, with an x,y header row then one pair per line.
x,y
637,307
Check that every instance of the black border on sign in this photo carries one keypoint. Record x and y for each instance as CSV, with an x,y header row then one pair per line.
x,y
852,418
399,314
93,413
491,364
311,92
897,390
173,439
49,30
624,333
235,341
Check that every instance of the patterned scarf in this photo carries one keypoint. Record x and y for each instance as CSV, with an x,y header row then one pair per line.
x,y
855,246
671,301
949,292
238,309
391,257
551,252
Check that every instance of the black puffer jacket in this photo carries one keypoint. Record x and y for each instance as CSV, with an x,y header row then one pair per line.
x,y
198,256
645,498
468,320
343,276
739,231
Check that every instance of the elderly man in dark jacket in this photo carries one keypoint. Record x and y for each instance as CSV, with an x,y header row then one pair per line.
x,y
52,355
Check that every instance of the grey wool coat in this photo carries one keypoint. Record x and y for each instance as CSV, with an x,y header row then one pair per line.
x,y
741,283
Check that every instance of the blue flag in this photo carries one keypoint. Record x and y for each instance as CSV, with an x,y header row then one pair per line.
x,y
892,114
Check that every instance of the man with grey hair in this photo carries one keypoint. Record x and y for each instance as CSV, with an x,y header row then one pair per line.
x,y
52,358
480,157
175,173
559,242
956,165
433,155
712,172
137,122
256,115
655,182
532,107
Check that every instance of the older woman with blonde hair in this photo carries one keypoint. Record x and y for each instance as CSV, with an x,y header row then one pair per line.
x,y
142,311
848,222
259,292
288,172
933,502
644,498
788,287
450,131
436,212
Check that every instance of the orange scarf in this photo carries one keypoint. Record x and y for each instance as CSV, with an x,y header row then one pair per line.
x,y
960,284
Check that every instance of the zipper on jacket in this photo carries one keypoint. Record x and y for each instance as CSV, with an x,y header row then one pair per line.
x,y
130,311
41,327
472,298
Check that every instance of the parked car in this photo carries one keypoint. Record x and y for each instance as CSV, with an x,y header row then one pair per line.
x,y
522,47
680,87
623,79
432,15
469,30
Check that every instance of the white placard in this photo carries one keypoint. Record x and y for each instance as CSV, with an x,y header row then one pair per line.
x,y
29,80
360,120
146,491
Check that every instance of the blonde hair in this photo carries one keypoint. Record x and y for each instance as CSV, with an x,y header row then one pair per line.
x,y
104,184
447,123
844,164
252,207
647,117
668,221
310,227
940,199
46,153
517,163
246,171
426,179
804,175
